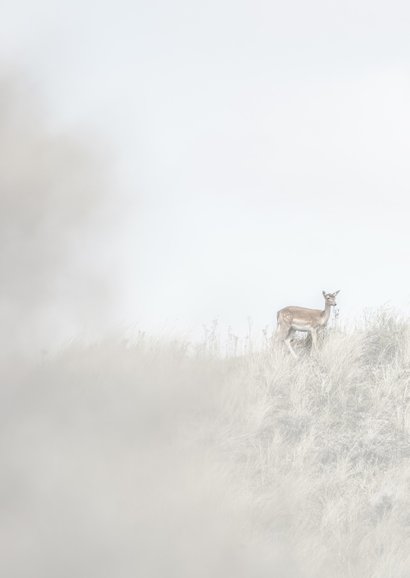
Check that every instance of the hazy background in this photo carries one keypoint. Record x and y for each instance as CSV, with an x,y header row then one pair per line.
x,y
230,159
162,165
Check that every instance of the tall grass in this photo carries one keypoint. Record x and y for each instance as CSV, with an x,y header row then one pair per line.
x,y
159,459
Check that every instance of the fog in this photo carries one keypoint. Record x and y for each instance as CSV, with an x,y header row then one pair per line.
x,y
56,222
172,174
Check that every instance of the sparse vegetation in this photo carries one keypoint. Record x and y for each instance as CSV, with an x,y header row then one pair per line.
x,y
160,459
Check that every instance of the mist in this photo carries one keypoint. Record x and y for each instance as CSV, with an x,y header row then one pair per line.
x,y
171,175
56,222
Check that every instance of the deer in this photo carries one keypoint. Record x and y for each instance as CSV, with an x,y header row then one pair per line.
x,y
292,319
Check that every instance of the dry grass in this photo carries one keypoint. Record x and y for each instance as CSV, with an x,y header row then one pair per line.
x,y
156,459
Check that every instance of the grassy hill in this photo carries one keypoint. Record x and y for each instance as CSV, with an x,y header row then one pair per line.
x,y
158,459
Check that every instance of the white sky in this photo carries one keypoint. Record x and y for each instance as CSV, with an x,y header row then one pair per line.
x,y
264,147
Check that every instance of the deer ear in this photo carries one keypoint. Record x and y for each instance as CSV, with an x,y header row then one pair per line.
x,y
324,293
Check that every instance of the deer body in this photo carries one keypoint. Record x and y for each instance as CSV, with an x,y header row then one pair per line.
x,y
292,319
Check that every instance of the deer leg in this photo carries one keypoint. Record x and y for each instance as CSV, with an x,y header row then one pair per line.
x,y
287,340
284,333
313,333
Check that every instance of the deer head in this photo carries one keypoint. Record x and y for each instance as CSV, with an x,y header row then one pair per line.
x,y
330,298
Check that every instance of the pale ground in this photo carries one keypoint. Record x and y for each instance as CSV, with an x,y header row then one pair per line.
x,y
149,459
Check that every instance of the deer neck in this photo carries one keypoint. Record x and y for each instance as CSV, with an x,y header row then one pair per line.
x,y
326,313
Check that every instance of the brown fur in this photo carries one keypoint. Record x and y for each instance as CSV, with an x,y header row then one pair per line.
x,y
293,318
